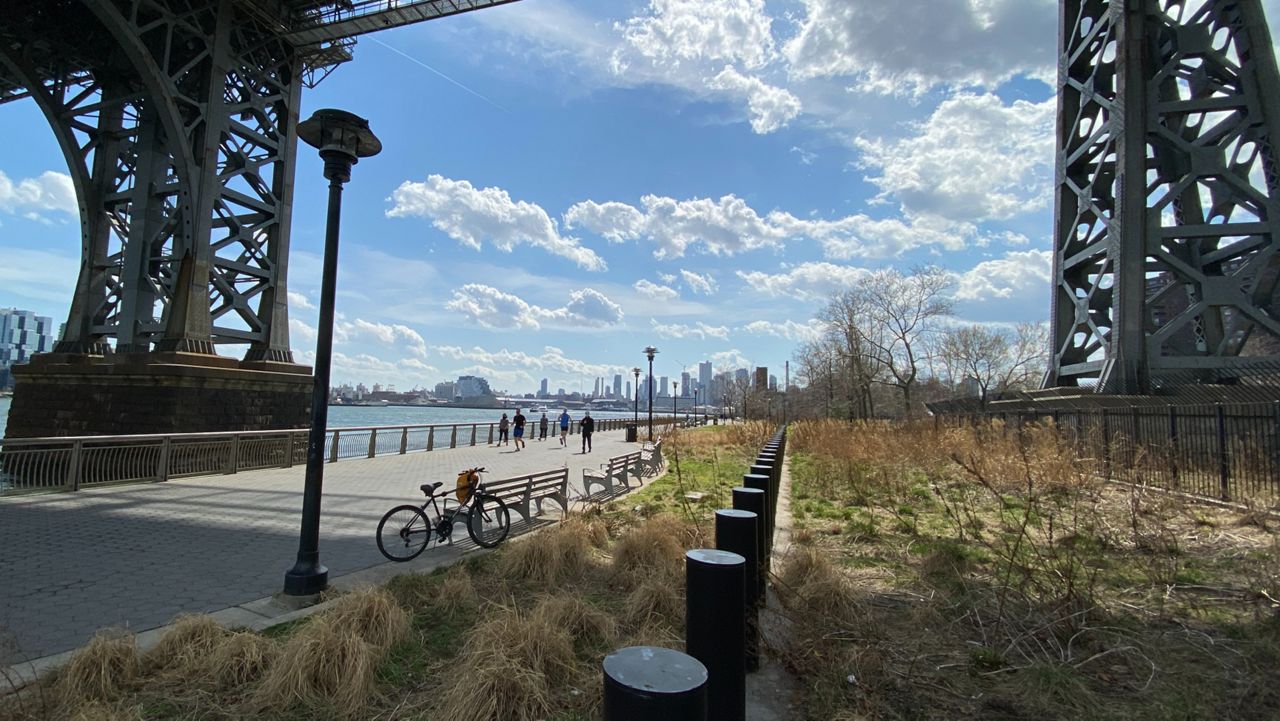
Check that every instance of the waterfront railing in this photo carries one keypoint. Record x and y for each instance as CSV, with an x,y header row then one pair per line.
x,y
75,462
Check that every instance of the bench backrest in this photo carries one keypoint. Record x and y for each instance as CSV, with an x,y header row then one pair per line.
x,y
537,481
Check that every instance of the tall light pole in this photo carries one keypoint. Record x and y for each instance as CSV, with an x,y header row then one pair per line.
x,y
650,352
342,138
695,403
675,398
636,414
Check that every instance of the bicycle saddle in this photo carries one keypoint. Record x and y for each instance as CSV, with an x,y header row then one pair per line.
x,y
430,488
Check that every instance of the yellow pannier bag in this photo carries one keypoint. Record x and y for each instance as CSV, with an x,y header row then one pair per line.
x,y
466,483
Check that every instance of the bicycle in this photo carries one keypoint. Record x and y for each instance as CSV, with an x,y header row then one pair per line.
x,y
405,531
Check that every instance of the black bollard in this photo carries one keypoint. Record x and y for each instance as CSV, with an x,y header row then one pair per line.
x,y
646,682
761,482
766,470
753,499
715,628
736,533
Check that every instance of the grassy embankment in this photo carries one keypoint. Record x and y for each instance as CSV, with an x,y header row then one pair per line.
x,y
972,574
514,635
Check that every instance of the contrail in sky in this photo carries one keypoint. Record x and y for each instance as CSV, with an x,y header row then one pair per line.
x,y
412,59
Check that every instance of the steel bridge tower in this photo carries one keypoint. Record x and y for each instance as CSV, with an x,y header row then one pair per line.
x,y
177,120
1167,218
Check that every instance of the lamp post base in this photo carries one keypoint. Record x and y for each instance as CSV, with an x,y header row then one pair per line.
x,y
306,579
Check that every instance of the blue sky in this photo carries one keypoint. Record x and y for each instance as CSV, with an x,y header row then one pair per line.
x,y
596,177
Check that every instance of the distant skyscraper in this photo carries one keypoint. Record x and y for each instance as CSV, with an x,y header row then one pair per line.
x,y
617,385
664,387
704,376
773,382
542,389
686,385
22,333
762,378
629,396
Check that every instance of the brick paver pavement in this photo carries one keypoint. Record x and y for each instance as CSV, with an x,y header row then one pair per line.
x,y
135,556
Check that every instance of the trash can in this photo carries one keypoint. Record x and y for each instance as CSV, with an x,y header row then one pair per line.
x,y
631,433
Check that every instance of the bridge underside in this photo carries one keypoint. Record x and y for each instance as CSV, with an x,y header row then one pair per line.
x,y
1168,202
177,120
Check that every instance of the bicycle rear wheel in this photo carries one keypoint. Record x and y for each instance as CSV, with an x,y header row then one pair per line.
x,y
403,533
489,521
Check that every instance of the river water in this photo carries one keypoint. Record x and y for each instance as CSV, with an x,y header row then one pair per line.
x,y
356,416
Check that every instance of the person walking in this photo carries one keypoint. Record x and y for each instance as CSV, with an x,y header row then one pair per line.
x,y
588,426
542,427
518,421
564,427
503,425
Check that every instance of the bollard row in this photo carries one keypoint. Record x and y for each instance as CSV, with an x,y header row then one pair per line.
x,y
725,590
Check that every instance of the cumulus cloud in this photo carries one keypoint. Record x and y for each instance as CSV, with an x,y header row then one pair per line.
x,y
703,284
551,359
805,281
655,291
912,45
473,215
1019,274
974,159
788,329
729,226
769,107
300,300
698,330
392,334
716,49
30,197
730,359
493,308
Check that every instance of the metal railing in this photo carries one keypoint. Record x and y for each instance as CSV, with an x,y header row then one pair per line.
x,y
1224,451
72,463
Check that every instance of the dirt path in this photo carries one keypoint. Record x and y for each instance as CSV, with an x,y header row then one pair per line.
x,y
771,690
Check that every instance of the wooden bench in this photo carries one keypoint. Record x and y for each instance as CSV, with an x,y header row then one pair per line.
x,y
651,460
521,493
612,476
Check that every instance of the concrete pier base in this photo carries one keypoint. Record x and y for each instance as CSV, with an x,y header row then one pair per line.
x,y
75,395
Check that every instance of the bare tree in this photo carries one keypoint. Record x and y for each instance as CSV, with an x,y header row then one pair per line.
x,y
904,309
994,359
851,346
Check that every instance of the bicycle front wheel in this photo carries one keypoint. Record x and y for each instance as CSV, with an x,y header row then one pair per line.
x,y
489,521
403,533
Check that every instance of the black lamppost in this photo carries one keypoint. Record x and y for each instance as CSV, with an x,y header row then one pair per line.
x,y
342,138
674,399
636,412
695,404
650,351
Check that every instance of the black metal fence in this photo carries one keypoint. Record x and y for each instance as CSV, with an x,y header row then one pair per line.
x,y
1230,452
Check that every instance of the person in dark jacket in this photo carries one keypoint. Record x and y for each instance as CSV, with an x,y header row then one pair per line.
x,y
588,426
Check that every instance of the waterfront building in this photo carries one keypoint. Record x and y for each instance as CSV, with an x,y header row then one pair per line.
x,y
471,387
762,378
542,389
629,396
22,334
686,385
664,387
704,376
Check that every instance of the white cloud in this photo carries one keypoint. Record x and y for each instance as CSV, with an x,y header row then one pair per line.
x,y
699,330
299,331
806,157
912,45
49,191
703,284
655,291
473,215
493,308
300,300
806,281
40,278
1019,274
551,359
731,359
390,334
770,107
678,33
789,329
974,159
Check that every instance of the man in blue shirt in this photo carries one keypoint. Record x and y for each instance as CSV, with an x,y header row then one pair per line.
x,y
564,427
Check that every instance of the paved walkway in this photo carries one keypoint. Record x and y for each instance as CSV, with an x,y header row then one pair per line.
x,y
135,556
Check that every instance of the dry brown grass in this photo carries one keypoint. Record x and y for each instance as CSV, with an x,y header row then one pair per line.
x,y
98,711
103,671
323,666
456,591
587,625
240,658
508,668
817,588
187,645
653,549
554,556
372,614
591,526
654,601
